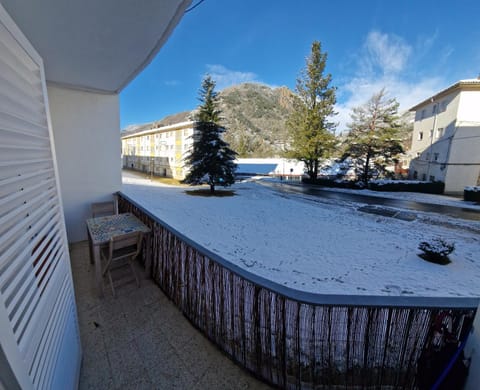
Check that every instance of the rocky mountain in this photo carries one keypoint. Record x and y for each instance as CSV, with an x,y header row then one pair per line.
x,y
254,115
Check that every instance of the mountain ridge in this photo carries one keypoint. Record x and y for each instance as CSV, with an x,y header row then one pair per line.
x,y
253,114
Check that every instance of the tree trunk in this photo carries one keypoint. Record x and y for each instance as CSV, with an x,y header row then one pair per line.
x,y
212,188
366,170
310,171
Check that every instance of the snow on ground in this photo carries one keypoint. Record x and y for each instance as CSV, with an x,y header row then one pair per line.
x,y
316,246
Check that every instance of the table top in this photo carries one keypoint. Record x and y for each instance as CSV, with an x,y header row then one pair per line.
x,y
101,229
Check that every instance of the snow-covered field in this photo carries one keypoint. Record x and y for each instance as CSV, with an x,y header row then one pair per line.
x,y
318,246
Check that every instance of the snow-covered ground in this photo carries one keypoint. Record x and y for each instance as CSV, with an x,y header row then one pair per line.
x,y
318,246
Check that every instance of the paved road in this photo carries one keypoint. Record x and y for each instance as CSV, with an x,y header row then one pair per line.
x,y
456,212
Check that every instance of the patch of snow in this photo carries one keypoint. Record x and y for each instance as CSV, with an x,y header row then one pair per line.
x,y
319,247
473,188
390,181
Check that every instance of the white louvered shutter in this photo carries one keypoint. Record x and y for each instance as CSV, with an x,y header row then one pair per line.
x,y
38,320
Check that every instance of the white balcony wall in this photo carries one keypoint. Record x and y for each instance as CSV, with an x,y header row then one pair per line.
x,y
464,159
86,128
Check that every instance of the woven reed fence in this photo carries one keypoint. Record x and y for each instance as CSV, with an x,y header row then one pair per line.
x,y
298,340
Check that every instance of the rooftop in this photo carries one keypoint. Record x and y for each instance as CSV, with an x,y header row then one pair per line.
x,y
462,84
141,340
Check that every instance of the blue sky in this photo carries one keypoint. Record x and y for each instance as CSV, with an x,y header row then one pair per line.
x,y
412,48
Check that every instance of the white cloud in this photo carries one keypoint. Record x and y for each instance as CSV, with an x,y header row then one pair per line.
x,y
225,77
384,62
384,52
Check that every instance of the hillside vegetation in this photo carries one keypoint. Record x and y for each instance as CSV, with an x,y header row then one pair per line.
x,y
255,116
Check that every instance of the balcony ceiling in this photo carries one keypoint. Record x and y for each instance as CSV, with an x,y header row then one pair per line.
x,y
98,45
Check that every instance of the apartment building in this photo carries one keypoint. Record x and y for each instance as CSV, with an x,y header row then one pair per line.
x,y
446,137
158,151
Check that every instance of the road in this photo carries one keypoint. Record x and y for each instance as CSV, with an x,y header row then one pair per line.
x,y
451,211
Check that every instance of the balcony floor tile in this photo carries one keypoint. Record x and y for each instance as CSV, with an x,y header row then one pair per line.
x,y
140,340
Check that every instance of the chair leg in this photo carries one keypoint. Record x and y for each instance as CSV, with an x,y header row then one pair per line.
x,y
111,284
90,248
134,272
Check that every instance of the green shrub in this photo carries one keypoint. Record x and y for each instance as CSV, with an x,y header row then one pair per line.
x,y
471,194
427,187
338,183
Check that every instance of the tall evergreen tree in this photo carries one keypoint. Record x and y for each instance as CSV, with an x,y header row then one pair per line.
x,y
310,126
374,134
210,158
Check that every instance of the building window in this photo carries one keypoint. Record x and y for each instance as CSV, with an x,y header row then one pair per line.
x,y
420,135
415,175
432,178
428,156
422,114
434,110
424,176
440,132
431,133
435,156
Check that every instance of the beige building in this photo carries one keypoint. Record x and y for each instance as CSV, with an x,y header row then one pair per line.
x,y
158,151
446,137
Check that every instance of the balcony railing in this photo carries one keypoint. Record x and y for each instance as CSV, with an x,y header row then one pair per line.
x,y
300,340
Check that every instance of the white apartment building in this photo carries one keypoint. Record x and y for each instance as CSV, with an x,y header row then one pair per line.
x,y
158,151
446,137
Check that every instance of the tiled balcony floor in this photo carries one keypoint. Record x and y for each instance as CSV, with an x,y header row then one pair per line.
x,y
140,340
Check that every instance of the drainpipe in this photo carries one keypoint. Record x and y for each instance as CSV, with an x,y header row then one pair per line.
x,y
431,138
450,141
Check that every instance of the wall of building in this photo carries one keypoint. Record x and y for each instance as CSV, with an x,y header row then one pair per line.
x,y
433,128
86,128
159,151
468,110
464,158
428,118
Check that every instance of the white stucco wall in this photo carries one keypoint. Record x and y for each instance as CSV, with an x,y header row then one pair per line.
x,y
86,128
468,110
464,158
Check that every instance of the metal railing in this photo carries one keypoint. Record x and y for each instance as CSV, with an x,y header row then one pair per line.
x,y
299,340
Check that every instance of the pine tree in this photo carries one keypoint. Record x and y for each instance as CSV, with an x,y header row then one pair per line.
x,y
309,125
210,158
374,134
